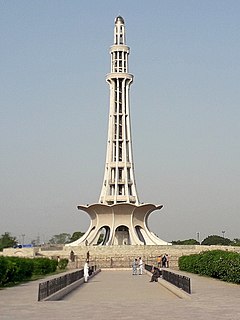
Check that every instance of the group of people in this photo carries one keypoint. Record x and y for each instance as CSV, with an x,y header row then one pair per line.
x,y
137,266
163,261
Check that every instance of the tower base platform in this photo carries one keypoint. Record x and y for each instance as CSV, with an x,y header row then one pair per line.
x,y
119,224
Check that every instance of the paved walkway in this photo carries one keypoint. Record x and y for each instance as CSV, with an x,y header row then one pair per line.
x,y
118,294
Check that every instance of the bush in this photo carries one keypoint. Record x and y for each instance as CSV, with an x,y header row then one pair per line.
x,y
3,270
44,266
19,269
14,269
218,264
62,264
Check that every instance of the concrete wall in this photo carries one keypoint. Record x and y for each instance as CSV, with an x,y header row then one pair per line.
x,y
116,256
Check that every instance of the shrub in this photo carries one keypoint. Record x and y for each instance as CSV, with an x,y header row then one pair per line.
x,y
19,269
218,264
62,264
3,270
15,269
44,266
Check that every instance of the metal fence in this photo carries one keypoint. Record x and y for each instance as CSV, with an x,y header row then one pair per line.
x,y
49,287
178,280
149,267
175,279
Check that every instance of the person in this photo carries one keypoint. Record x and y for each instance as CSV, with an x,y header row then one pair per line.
x,y
140,266
88,256
159,261
85,271
155,274
164,260
134,267
72,257
167,260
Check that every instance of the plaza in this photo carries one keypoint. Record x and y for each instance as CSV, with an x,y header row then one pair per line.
x,y
115,294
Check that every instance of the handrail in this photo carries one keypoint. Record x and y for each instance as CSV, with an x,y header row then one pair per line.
x,y
178,280
49,287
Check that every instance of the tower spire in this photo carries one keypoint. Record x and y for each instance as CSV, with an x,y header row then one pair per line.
x,y
119,182
119,31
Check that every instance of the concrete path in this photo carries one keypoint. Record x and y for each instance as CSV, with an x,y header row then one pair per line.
x,y
118,294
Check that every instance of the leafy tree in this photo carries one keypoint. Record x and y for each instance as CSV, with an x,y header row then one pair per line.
x,y
61,238
236,242
76,235
7,241
216,240
185,242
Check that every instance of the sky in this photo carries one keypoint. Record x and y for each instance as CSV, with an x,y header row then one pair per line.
x,y
54,104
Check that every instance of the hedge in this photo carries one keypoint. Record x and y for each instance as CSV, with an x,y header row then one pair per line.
x,y
217,264
44,266
62,264
15,269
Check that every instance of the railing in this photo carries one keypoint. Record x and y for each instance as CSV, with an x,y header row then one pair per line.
x,y
49,287
175,279
148,267
178,280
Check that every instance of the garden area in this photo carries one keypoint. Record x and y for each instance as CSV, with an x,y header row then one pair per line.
x,y
219,264
14,270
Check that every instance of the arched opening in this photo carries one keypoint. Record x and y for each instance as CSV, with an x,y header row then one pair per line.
x,y
122,236
139,234
103,236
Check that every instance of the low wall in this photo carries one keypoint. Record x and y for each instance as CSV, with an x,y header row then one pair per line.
x,y
116,256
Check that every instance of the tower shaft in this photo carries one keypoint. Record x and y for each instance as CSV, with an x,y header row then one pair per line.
x,y
119,182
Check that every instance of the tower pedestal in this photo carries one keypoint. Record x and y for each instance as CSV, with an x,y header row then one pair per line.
x,y
119,224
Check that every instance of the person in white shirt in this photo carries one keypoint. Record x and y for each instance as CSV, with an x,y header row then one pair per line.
x,y
85,272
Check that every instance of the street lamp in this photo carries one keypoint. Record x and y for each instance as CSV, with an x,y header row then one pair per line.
x,y
198,237
23,235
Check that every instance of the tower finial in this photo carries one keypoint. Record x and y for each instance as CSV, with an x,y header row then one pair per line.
x,y
119,31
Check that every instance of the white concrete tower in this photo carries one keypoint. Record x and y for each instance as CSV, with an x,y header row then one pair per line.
x,y
119,183
118,218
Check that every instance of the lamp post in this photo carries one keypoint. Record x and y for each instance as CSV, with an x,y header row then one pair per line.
x,y
23,235
198,237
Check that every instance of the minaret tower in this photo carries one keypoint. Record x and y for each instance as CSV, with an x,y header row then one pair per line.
x,y
119,182
118,218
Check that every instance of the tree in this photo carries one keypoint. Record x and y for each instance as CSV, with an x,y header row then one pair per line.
x,y
186,242
236,242
216,240
61,238
7,241
76,235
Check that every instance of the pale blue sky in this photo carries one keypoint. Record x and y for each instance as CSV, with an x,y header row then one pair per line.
x,y
184,105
